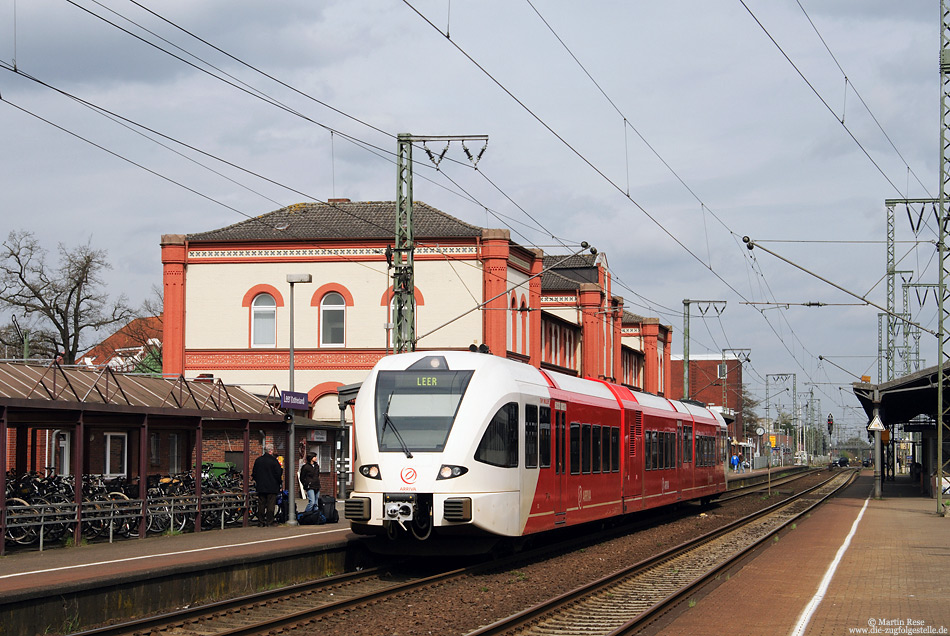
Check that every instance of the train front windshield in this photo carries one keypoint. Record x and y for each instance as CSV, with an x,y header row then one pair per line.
x,y
415,410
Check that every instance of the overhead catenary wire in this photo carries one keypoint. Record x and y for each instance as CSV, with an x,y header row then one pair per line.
x,y
576,152
238,84
480,171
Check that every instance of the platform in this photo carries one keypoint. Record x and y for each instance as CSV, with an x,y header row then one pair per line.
x,y
92,584
892,573
890,579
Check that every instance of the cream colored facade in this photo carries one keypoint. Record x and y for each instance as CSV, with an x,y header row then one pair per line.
x,y
473,286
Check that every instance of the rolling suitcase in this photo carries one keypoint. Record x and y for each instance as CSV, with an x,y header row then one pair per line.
x,y
328,508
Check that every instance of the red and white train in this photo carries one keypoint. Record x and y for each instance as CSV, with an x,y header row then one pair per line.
x,y
452,444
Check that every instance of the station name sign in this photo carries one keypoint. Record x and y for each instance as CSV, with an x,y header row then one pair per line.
x,y
292,400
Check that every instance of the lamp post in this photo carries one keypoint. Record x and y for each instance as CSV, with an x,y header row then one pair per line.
x,y
291,445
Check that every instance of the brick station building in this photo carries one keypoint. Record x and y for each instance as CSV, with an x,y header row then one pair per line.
x,y
227,311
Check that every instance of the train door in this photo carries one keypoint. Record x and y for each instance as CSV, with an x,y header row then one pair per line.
x,y
633,462
560,463
679,473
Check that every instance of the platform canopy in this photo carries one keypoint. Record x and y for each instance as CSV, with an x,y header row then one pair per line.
x,y
26,388
902,399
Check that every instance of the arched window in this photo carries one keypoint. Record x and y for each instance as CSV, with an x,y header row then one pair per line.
x,y
332,320
264,321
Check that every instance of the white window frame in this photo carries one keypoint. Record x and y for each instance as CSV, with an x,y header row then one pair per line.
x,y
174,453
261,312
64,451
107,465
334,308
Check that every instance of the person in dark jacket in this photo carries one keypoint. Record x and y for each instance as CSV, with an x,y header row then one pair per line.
x,y
267,473
310,481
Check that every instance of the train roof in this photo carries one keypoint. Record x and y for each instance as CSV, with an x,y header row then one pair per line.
x,y
521,372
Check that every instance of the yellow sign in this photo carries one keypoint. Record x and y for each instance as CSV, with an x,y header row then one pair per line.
x,y
772,441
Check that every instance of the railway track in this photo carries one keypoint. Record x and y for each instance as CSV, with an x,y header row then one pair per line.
x,y
308,603
628,600
257,613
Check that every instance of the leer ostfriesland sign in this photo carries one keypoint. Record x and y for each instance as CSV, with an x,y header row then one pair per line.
x,y
293,400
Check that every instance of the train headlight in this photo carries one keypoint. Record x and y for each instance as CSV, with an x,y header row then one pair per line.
x,y
371,471
450,472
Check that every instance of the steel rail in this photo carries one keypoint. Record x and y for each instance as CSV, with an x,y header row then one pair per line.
x,y
524,621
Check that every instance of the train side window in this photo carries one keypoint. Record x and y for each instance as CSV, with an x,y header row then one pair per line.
x,y
575,448
585,448
664,454
530,436
615,449
544,438
499,444
648,449
596,453
605,448
687,444
671,450
560,467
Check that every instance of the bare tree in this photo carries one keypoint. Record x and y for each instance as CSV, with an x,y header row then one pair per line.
x,y
67,299
20,340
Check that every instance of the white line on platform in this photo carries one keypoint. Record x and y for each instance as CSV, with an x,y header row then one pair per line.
x,y
819,596
154,556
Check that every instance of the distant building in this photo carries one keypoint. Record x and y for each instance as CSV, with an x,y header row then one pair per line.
x,y
715,380
135,348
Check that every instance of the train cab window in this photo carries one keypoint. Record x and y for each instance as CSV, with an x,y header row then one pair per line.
x,y
544,437
615,449
595,449
416,409
499,444
530,436
575,448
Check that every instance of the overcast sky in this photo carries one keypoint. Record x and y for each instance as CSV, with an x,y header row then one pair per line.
x,y
659,132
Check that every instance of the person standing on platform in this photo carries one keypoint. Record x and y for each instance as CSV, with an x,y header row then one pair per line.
x,y
735,462
267,473
741,464
310,481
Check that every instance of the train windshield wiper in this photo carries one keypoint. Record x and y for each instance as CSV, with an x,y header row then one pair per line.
x,y
387,421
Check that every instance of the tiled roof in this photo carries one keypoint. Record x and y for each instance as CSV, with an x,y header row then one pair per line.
x,y
630,317
341,220
568,272
568,261
138,334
